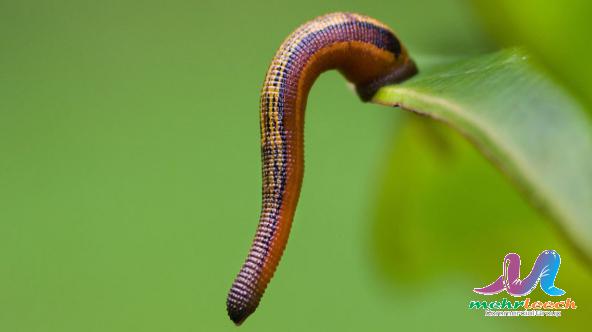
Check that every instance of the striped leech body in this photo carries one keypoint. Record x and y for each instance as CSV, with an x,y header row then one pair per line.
x,y
369,55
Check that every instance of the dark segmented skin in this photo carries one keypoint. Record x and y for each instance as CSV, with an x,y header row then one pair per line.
x,y
369,55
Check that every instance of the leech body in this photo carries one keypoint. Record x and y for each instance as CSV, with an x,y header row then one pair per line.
x,y
369,55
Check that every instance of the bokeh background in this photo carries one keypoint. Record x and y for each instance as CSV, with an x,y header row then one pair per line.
x,y
130,172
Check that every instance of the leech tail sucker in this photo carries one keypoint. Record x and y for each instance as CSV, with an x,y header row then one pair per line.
x,y
369,55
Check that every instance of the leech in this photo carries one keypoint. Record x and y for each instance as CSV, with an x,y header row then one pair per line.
x,y
369,55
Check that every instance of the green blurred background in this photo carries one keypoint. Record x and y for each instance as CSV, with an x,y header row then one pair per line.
x,y
130,174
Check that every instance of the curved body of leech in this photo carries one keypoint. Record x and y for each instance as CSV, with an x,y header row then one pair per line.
x,y
369,55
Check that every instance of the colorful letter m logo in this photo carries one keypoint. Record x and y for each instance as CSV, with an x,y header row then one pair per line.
x,y
544,271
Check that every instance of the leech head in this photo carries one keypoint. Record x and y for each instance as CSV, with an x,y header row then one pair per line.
x,y
398,74
369,55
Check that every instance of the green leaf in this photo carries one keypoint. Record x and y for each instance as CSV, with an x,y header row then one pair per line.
x,y
534,131
444,212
